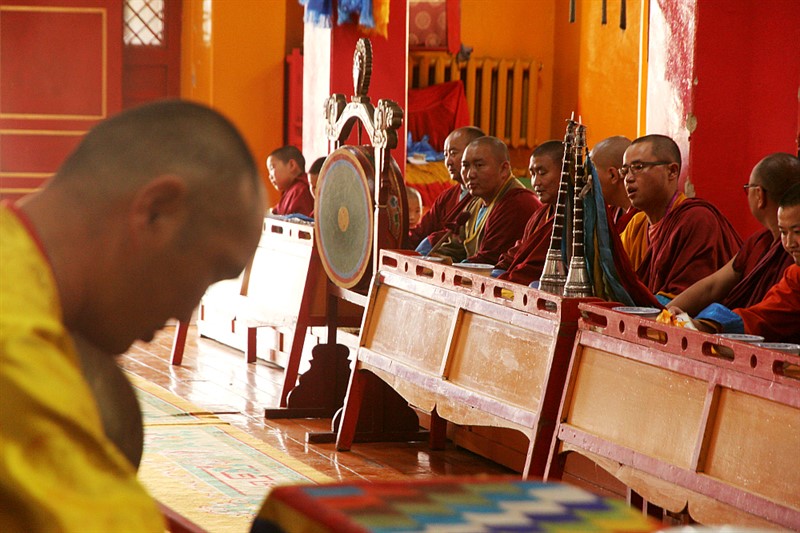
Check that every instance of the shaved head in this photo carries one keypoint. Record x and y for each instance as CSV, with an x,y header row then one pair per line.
x,y
168,137
662,147
553,149
776,173
609,152
454,146
497,147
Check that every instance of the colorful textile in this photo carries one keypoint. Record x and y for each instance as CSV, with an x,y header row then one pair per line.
x,y
205,469
317,12
58,470
430,179
380,12
360,8
692,241
422,147
449,504
296,199
723,318
761,261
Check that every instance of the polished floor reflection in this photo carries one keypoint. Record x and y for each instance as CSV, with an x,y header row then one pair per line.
x,y
217,378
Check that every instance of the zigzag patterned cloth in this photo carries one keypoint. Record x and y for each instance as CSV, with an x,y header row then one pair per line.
x,y
448,504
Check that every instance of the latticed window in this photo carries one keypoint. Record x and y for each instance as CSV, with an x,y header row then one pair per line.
x,y
144,22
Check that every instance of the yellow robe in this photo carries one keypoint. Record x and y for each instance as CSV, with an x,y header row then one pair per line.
x,y
58,471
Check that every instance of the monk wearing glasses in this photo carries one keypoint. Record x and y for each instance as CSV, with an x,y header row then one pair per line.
x,y
674,241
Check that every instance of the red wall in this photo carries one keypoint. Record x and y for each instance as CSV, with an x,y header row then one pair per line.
x,y
745,99
389,63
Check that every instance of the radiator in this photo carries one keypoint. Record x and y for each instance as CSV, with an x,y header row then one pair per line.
x,y
501,93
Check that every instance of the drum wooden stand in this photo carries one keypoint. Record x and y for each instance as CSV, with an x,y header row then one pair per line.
x,y
360,209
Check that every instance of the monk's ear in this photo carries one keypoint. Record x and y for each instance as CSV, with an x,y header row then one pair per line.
x,y
159,209
761,199
615,175
674,170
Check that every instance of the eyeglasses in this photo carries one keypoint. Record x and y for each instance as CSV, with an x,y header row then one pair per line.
x,y
638,166
747,186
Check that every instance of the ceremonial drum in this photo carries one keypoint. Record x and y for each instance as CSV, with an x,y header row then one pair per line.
x,y
344,211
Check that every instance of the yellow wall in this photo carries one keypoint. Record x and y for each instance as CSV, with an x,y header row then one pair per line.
x,y
238,68
515,28
589,68
598,69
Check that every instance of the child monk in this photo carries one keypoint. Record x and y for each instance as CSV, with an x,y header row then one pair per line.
x,y
286,172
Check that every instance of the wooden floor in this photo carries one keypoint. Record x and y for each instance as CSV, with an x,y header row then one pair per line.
x,y
216,377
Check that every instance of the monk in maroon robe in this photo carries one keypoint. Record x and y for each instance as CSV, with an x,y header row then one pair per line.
x,y
607,157
286,167
777,316
760,262
524,262
674,241
296,198
499,208
443,210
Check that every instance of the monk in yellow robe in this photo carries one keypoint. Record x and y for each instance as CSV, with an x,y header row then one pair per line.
x,y
153,206
674,241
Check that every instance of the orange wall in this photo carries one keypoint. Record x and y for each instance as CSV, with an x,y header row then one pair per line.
x,y
588,68
239,68
515,28
598,69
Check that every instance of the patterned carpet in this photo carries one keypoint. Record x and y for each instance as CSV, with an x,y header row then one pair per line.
x,y
207,470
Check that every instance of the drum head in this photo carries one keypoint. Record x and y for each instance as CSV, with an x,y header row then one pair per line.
x,y
343,215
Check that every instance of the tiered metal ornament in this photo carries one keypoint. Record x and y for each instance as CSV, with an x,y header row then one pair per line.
x,y
578,283
568,223
554,274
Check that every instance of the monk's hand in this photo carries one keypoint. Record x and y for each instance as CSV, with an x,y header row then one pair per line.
x,y
678,317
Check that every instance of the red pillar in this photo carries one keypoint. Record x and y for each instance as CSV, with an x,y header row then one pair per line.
x,y
389,65
728,90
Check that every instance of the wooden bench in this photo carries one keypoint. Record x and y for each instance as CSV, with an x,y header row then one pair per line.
x,y
466,348
691,421
281,293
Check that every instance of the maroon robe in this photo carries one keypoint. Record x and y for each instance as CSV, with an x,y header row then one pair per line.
x,y
503,227
761,262
777,316
524,261
505,224
691,242
296,199
434,221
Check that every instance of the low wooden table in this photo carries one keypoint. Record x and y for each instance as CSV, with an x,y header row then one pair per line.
x,y
446,504
466,348
692,422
